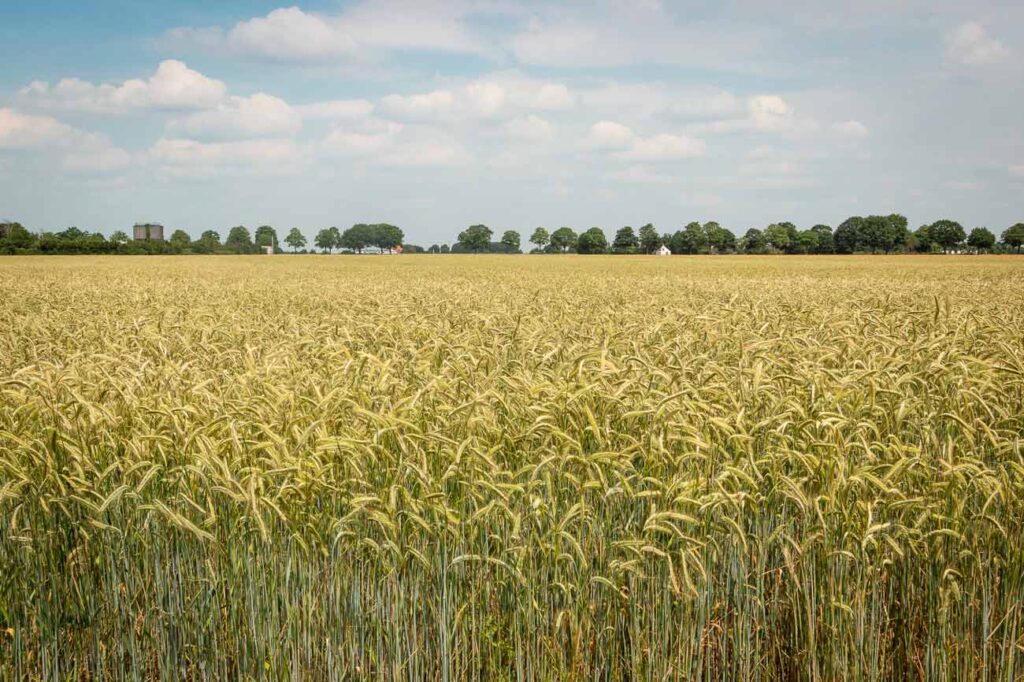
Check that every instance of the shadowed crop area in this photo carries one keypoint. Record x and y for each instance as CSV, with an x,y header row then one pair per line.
x,y
512,468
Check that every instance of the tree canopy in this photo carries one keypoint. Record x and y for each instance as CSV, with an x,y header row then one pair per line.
x,y
475,238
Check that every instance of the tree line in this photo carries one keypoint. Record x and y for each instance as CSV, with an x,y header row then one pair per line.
x,y
17,239
857,234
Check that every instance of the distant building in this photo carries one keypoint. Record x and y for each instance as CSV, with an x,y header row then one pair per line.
x,y
269,250
663,251
148,232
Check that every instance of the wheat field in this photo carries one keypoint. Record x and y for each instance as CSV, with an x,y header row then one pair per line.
x,y
512,468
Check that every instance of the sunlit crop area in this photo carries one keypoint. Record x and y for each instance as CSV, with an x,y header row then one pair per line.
x,y
520,467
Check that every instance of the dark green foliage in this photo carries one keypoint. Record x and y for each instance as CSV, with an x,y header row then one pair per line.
x,y
592,241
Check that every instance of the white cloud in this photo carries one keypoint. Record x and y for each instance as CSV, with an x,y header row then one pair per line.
x,y
258,115
1017,171
971,44
610,135
290,34
192,157
551,96
429,106
770,112
766,114
851,128
530,127
642,175
23,131
499,95
340,109
393,144
76,150
965,185
95,154
486,98
665,146
619,34
771,167
172,86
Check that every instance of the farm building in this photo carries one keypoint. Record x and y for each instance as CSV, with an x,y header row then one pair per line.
x,y
663,251
148,232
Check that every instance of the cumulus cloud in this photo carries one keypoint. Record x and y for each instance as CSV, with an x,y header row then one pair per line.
x,y
340,109
385,143
530,127
499,95
615,136
642,175
258,115
665,146
75,150
765,114
970,44
24,131
625,33
610,135
291,34
425,107
774,168
95,154
851,128
186,157
172,86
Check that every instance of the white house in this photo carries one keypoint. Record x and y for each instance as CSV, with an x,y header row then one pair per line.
x,y
663,251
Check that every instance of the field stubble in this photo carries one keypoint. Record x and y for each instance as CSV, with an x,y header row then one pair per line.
x,y
447,468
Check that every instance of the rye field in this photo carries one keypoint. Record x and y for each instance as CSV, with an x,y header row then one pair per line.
x,y
512,468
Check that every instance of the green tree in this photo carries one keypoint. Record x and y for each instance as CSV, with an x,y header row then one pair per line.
x,y
697,237
779,236
625,240
239,240
266,236
511,240
476,238
824,243
540,238
385,236
847,237
896,232
295,239
357,237
1014,236
753,241
434,248
180,241
445,248
807,241
649,239
947,234
208,242
720,240
592,241
15,236
921,240
563,239
325,239
981,239
119,237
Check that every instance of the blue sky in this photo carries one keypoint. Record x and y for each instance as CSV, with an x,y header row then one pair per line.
x,y
437,115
